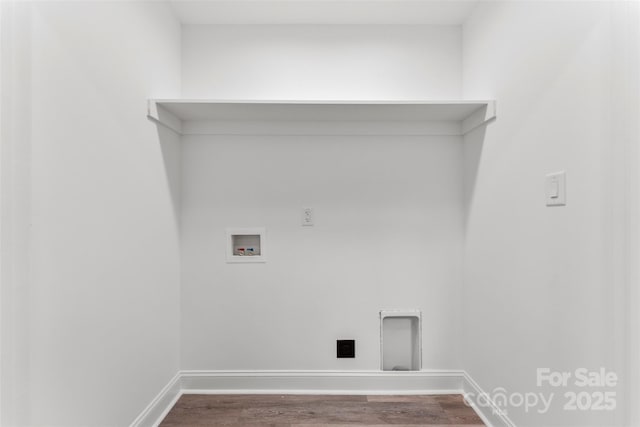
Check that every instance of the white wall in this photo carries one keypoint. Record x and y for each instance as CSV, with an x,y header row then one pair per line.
x,y
14,235
541,286
321,62
103,319
633,160
387,235
388,230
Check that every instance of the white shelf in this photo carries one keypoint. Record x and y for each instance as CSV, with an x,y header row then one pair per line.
x,y
234,116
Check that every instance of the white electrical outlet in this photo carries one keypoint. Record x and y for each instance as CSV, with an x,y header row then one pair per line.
x,y
307,216
556,189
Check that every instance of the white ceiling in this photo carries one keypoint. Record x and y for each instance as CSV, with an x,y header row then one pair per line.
x,y
431,12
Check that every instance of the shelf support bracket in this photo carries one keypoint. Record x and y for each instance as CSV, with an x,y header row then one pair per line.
x,y
479,117
161,116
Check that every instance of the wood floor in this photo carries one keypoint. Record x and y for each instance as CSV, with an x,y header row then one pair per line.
x,y
303,410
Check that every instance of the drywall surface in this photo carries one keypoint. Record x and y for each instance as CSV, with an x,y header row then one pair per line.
x,y
104,261
630,113
356,62
15,221
540,286
387,234
388,210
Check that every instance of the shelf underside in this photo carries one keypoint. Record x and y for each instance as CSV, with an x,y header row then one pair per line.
x,y
175,113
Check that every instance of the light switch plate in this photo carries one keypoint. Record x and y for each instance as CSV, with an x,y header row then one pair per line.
x,y
556,189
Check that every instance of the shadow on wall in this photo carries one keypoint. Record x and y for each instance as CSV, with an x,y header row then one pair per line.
x,y
170,150
473,145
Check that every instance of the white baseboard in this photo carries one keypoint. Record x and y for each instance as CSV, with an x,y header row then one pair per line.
x,y
322,382
486,408
160,406
318,382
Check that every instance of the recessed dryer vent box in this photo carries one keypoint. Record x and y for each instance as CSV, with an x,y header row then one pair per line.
x,y
246,244
401,340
